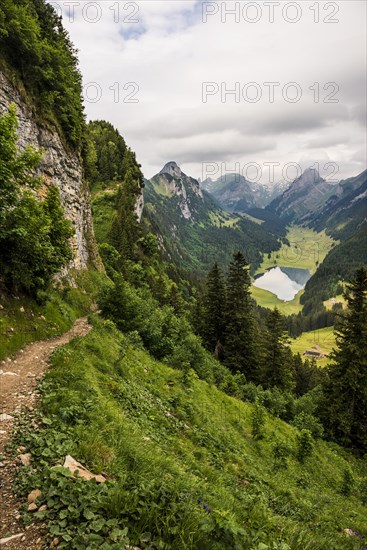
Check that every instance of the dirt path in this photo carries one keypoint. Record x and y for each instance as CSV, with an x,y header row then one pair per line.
x,y
19,378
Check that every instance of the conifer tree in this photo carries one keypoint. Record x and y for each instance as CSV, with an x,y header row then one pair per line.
x,y
175,299
214,310
278,364
159,290
307,375
345,404
240,334
125,228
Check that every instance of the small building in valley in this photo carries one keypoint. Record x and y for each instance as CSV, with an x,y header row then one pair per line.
x,y
315,353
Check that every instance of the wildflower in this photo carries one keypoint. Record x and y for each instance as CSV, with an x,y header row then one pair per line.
x,y
205,506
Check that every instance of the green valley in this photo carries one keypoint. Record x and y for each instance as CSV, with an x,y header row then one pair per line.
x,y
305,249
321,340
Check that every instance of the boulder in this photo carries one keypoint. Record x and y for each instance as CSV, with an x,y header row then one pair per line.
x,y
33,495
5,417
76,468
25,459
32,507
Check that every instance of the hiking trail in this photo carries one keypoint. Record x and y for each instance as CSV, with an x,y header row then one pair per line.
x,y
19,378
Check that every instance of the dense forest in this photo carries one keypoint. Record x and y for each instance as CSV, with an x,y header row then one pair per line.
x,y
338,267
37,53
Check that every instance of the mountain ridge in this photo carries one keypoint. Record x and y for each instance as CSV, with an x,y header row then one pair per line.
x,y
237,194
195,229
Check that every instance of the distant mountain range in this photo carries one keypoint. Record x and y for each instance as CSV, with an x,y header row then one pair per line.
x,y
345,211
237,194
195,231
308,200
306,194
202,223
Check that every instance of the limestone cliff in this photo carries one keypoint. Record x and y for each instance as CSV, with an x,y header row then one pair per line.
x,y
139,205
172,182
59,166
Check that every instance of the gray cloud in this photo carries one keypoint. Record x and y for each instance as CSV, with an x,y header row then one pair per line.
x,y
170,52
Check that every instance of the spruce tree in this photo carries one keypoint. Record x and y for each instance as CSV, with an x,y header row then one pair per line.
x,y
240,335
214,311
345,404
125,229
175,299
278,364
307,375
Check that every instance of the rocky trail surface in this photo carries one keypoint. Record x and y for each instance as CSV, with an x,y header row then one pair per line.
x,y
19,378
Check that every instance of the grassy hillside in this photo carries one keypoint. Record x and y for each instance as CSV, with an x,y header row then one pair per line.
x,y
24,319
323,338
306,247
267,299
183,468
338,266
306,250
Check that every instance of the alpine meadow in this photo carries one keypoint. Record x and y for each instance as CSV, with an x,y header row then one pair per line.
x,y
183,343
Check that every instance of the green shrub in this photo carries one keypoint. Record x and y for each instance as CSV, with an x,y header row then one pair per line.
x,y
348,482
34,235
281,452
258,421
278,402
304,445
304,421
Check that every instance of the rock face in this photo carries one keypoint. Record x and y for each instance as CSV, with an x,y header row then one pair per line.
x,y
233,192
237,194
172,182
345,211
306,194
59,166
139,206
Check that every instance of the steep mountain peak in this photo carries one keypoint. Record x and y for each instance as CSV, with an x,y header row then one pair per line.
x,y
306,194
174,184
310,176
172,169
234,192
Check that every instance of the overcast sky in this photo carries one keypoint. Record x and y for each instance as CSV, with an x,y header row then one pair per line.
x,y
170,49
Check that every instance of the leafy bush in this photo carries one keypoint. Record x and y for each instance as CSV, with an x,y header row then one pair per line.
x,y
258,421
281,452
305,445
348,482
304,421
35,45
279,403
34,235
136,310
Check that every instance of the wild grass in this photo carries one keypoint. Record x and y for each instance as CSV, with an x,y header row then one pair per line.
x,y
323,338
306,250
24,319
184,469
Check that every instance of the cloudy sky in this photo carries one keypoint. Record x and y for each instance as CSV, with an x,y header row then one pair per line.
x,y
162,72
